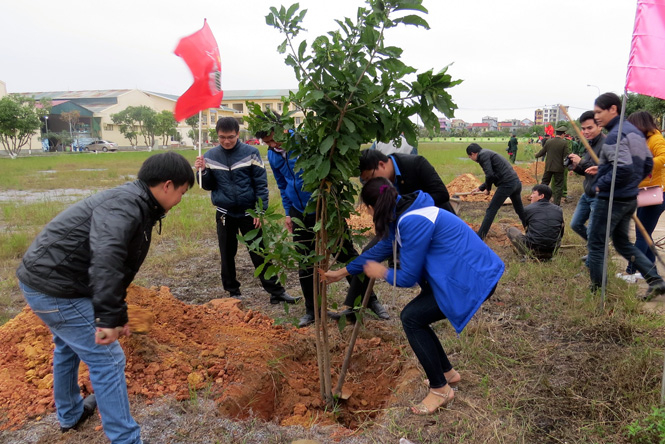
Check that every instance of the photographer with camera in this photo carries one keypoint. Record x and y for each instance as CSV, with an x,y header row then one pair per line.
x,y
585,166
556,150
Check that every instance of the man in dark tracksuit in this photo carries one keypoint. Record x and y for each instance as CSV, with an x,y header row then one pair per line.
x,y
497,172
512,148
544,226
236,177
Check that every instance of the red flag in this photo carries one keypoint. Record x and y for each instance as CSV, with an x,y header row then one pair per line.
x,y
201,54
549,130
646,66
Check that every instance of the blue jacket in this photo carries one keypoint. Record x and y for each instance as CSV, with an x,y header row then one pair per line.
x,y
236,178
634,161
289,181
440,248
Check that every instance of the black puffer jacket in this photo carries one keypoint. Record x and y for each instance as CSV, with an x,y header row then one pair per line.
x,y
94,249
544,225
497,169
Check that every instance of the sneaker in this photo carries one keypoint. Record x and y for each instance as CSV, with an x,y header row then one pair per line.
x,y
630,278
656,288
89,406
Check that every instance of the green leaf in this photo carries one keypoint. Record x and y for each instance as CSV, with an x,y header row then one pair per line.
x,y
251,234
413,20
292,9
326,144
301,49
282,47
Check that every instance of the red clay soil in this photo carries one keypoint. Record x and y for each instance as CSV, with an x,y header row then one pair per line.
x,y
241,359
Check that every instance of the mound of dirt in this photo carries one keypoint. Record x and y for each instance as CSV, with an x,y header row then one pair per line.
x,y
241,359
525,175
465,183
361,221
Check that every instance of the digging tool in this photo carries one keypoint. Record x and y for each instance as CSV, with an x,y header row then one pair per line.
x,y
349,351
140,321
638,223
468,193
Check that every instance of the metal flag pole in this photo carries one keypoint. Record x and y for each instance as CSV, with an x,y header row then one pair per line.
x,y
200,186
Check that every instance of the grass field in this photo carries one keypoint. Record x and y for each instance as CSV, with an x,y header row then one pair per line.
x,y
544,364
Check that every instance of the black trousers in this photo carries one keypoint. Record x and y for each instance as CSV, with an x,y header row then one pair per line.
x,y
227,230
512,190
306,237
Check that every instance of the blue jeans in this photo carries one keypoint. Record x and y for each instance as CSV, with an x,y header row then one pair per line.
x,y
72,323
583,212
649,217
619,226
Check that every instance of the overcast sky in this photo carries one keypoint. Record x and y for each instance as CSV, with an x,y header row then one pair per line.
x,y
513,55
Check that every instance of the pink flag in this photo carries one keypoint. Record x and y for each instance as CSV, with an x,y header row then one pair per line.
x,y
646,66
201,54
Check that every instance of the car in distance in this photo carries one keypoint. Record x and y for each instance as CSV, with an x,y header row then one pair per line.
x,y
253,142
101,145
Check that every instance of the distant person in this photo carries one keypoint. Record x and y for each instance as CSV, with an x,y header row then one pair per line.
x,y
498,172
390,147
455,270
75,276
294,201
634,163
556,151
585,206
235,175
648,215
512,148
544,226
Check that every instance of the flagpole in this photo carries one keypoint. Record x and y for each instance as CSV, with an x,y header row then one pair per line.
x,y
200,179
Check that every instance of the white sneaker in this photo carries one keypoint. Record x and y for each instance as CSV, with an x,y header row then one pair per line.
x,y
630,278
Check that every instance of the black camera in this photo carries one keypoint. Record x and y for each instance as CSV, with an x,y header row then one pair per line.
x,y
568,163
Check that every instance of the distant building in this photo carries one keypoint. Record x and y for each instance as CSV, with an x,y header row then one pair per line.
x,y
527,122
550,114
538,117
492,123
266,98
458,124
445,124
480,127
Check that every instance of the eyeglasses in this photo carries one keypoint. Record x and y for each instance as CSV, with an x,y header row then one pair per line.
x,y
223,138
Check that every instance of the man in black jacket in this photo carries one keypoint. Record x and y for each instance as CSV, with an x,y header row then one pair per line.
x,y
544,226
236,177
75,276
586,167
497,172
408,172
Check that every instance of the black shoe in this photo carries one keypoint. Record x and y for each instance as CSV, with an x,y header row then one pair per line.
x,y
656,288
307,319
89,406
284,297
379,309
235,293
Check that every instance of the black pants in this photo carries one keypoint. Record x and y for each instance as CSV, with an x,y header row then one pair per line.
x,y
306,237
512,190
557,185
227,230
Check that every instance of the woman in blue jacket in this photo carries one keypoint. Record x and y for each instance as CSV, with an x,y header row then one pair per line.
x,y
456,271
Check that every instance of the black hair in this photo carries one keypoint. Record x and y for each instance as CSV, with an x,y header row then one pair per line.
x,y
272,117
605,101
166,166
227,125
369,159
544,190
473,148
381,195
644,121
587,115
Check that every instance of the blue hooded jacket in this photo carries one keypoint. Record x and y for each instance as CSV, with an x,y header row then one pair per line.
x,y
440,248
288,180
